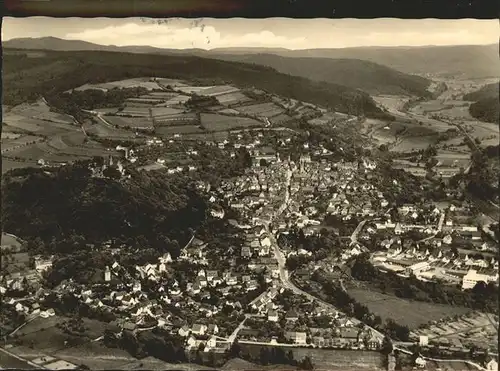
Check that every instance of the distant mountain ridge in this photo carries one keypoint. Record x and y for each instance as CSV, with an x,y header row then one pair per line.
x,y
472,61
355,73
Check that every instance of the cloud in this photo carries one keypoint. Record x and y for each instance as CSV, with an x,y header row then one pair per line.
x,y
199,35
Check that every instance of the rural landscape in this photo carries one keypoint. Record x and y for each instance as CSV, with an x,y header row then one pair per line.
x,y
249,208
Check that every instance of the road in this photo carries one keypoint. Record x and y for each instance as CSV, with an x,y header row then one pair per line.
x,y
354,236
9,360
232,337
283,272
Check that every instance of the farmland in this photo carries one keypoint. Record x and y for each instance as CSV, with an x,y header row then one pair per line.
x,y
143,82
262,109
131,122
404,312
473,328
216,122
232,99
331,359
181,129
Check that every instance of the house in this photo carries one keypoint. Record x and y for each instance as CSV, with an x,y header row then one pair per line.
x,y
420,362
129,326
272,316
318,341
299,338
292,315
245,252
211,343
184,331
213,329
199,329
492,365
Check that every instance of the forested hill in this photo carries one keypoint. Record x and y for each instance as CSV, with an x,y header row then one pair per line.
x,y
355,73
25,78
486,106
63,209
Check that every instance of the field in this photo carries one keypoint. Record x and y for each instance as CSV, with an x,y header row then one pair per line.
x,y
11,144
181,129
129,110
404,312
7,135
215,122
391,103
8,164
327,359
488,133
194,89
220,90
478,328
143,82
105,131
132,122
163,111
232,98
18,262
10,241
262,109
179,99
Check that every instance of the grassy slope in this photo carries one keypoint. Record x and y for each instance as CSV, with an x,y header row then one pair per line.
x,y
51,76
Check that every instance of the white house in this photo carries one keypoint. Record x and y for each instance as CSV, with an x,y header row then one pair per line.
x,y
472,278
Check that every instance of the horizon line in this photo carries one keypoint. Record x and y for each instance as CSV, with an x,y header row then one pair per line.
x,y
251,47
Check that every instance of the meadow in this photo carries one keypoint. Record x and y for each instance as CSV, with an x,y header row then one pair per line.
x,y
404,312
132,122
215,122
261,109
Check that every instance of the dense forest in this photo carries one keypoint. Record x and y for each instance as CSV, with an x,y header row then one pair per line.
x,y
67,208
355,73
483,175
27,78
486,106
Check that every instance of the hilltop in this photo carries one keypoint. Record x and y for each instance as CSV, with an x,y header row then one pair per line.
x,y
469,61
355,73
25,78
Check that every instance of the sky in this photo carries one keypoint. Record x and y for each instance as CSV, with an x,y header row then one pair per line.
x,y
209,33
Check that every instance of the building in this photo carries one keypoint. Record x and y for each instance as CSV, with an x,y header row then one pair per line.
x,y
417,268
472,278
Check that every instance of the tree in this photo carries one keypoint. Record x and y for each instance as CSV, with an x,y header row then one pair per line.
x,y
235,349
264,356
306,364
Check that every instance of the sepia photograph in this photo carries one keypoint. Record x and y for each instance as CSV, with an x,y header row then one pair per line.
x,y
250,194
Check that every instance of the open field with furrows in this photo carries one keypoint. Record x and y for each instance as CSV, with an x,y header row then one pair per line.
x,y
105,131
215,122
9,145
104,111
132,122
135,111
37,126
193,89
232,99
180,119
220,90
328,359
140,82
182,129
172,82
262,109
410,144
41,111
404,312
165,95
179,99
165,111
